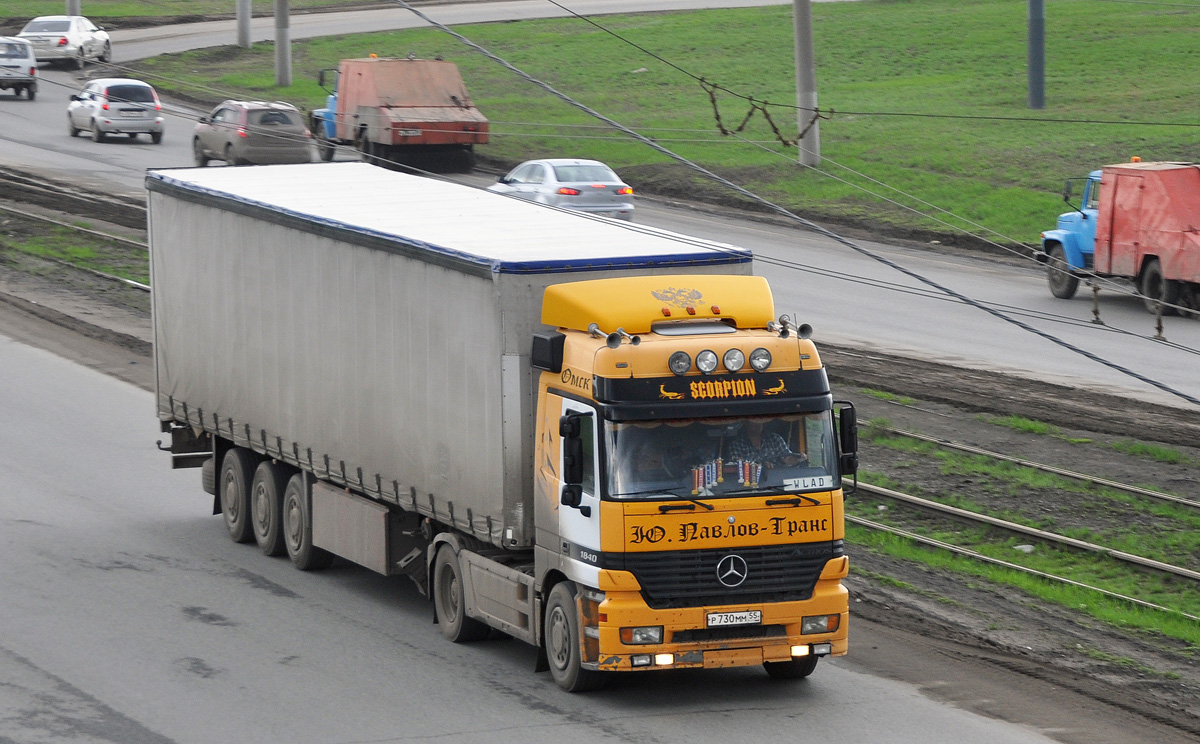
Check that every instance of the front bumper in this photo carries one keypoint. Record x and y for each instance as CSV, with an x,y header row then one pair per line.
x,y
688,642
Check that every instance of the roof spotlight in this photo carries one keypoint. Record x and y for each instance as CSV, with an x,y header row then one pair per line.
x,y
706,361
680,363
734,360
760,359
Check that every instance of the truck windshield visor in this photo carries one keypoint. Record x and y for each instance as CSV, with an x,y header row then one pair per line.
x,y
742,456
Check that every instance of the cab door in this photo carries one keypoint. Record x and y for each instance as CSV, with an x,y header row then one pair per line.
x,y
579,526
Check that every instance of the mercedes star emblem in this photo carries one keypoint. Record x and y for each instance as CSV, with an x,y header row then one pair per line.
x,y
732,570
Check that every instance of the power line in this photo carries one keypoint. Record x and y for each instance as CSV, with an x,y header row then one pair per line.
x,y
789,215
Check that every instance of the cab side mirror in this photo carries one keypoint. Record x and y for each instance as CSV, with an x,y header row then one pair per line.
x,y
1068,189
570,427
848,439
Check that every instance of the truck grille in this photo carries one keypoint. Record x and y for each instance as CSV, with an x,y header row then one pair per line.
x,y
739,633
687,578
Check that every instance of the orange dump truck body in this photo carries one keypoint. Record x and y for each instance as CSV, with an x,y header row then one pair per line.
x,y
1149,210
406,102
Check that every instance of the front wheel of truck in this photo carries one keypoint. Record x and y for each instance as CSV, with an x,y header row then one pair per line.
x,y
1063,283
449,603
794,669
562,642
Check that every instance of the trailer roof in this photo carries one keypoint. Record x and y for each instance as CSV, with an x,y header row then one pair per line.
x,y
467,228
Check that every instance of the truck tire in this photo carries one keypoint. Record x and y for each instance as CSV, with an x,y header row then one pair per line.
x,y
237,470
1156,288
325,149
297,528
1063,283
794,669
449,603
562,638
266,506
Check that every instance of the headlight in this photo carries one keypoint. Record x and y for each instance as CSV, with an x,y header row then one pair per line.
x,y
642,636
760,359
734,360
820,624
680,363
706,361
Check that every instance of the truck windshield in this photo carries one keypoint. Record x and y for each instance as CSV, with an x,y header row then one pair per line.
x,y
690,458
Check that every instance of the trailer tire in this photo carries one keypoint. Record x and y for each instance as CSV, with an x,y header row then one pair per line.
x,y
1063,284
266,506
237,470
449,603
561,637
297,527
1155,288
794,669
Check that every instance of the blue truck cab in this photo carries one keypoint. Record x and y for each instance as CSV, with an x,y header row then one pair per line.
x,y
1070,246
323,126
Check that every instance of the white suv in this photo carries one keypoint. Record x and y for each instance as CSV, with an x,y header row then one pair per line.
x,y
18,67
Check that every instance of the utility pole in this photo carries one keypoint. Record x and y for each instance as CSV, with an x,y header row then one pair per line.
x,y
243,23
1037,54
283,45
806,85
73,8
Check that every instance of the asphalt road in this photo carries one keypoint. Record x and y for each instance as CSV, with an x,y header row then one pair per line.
x,y
129,616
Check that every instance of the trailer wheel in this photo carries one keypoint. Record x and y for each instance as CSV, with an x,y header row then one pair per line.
x,y
1063,283
794,669
237,470
297,528
562,642
1156,288
449,603
266,506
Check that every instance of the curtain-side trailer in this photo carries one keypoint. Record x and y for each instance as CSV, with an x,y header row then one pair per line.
x,y
593,436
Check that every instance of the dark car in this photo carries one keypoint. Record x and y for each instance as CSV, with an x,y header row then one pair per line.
x,y
245,132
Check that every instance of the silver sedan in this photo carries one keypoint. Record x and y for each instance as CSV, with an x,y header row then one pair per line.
x,y
70,39
583,185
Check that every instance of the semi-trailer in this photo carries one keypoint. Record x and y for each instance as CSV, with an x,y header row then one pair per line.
x,y
593,436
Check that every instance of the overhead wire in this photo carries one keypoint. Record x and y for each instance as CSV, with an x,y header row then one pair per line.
x,y
794,217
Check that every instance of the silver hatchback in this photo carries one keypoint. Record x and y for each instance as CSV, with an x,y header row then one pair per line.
x,y
116,106
18,67
582,185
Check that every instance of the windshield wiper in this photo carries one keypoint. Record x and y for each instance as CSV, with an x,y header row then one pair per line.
x,y
792,498
664,492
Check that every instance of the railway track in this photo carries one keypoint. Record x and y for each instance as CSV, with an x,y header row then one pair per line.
x,y
944,513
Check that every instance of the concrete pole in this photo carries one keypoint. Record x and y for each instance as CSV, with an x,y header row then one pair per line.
x,y
73,7
283,45
244,13
1037,54
806,84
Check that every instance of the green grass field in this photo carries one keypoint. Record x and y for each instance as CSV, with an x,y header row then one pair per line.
x,y
926,100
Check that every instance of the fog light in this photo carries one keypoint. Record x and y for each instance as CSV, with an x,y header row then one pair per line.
x,y
760,359
706,361
680,362
734,360
640,660
822,649
820,624
664,659
642,636
799,650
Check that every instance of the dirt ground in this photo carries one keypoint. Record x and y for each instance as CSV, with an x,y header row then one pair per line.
x,y
1000,628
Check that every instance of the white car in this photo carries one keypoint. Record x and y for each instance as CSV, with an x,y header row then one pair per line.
x,y
581,185
116,106
18,68
70,39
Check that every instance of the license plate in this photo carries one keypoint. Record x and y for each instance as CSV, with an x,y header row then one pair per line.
x,y
133,114
721,619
